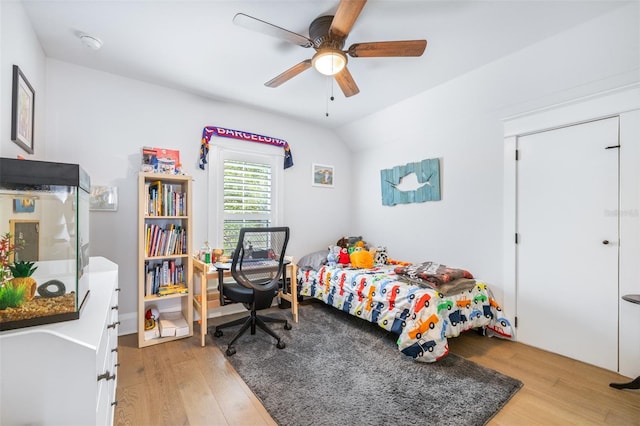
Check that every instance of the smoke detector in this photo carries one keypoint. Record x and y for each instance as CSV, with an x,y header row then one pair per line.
x,y
91,42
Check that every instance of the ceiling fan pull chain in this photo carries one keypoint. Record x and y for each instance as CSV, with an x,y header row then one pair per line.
x,y
329,90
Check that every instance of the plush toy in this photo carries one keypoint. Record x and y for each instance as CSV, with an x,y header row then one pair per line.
x,y
150,318
381,255
333,256
343,257
217,254
343,242
357,244
361,258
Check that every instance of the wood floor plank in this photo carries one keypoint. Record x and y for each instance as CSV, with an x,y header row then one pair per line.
x,y
167,407
132,371
200,404
237,402
133,405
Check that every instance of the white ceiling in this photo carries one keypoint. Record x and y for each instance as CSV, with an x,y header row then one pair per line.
x,y
195,47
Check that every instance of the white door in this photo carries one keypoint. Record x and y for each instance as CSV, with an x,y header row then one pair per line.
x,y
567,251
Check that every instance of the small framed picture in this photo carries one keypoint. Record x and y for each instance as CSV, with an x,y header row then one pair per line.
x,y
22,111
24,205
104,198
322,175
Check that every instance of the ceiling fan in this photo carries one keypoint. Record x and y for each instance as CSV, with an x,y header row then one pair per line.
x,y
327,35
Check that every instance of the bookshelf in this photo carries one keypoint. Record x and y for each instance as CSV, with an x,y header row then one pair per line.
x,y
164,254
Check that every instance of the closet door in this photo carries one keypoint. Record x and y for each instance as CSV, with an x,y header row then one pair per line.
x,y
567,251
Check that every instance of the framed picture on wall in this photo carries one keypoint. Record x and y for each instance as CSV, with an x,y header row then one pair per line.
x,y
22,111
24,205
322,175
104,198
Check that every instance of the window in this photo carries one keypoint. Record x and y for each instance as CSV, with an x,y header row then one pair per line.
x,y
247,198
245,190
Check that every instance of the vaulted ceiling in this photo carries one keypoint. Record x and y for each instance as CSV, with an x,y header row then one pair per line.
x,y
193,46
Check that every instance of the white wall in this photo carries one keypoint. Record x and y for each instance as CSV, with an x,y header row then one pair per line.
x,y
19,46
101,121
460,122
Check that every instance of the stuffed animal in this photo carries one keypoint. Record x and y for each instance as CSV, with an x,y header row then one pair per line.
x,y
343,256
361,258
150,317
333,256
354,246
381,255
343,242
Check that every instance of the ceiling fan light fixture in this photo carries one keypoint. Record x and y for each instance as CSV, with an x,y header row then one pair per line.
x,y
329,61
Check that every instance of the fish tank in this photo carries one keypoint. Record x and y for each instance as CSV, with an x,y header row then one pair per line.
x,y
44,242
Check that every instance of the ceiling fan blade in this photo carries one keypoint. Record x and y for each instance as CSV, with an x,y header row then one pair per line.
x,y
387,48
289,74
346,83
258,25
346,15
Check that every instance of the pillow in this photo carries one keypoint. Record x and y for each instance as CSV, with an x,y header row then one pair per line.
x,y
313,260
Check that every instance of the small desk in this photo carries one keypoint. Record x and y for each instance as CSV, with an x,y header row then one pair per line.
x,y
213,297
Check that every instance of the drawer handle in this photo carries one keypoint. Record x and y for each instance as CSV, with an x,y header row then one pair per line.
x,y
114,350
106,376
115,307
114,325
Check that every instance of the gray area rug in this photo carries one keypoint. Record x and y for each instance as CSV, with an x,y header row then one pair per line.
x,y
341,370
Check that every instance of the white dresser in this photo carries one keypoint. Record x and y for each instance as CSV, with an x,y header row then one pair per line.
x,y
65,373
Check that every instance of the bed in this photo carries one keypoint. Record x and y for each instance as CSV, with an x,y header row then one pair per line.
x,y
424,314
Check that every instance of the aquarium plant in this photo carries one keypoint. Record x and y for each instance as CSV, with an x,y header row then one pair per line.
x,y
11,297
6,250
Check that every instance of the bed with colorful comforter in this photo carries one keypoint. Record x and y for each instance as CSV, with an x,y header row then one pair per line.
x,y
420,305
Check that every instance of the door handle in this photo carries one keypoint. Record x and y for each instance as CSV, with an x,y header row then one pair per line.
x,y
605,242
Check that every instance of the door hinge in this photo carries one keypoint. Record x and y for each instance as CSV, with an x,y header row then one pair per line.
x,y
516,238
516,155
613,146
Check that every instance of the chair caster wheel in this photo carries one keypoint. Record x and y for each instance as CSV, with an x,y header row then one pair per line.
x,y
287,326
231,351
218,333
280,344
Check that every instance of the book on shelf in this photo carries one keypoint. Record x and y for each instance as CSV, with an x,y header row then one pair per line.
x,y
164,199
164,241
164,278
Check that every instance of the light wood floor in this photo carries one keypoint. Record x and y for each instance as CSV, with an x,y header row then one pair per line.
x,y
180,383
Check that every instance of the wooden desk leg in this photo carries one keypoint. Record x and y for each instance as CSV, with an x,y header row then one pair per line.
x,y
294,292
203,308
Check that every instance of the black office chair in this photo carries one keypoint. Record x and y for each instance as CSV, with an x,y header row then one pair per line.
x,y
257,268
